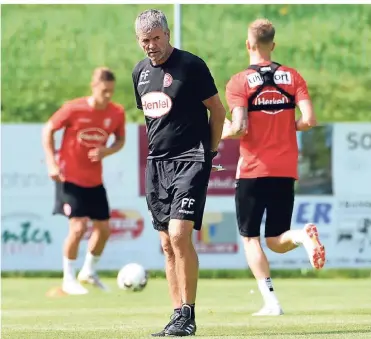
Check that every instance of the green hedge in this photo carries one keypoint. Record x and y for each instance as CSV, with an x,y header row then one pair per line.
x,y
49,52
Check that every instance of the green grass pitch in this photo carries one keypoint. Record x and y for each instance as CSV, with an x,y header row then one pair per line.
x,y
315,308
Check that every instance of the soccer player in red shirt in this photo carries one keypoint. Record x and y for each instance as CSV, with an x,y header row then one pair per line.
x,y
77,170
262,100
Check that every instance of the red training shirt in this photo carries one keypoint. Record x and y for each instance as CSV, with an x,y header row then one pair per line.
x,y
269,149
85,128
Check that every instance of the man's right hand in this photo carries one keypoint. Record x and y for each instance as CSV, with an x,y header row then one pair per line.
x,y
55,174
226,129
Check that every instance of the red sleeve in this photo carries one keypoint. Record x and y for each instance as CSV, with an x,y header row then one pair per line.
x,y
235,92
120,130
62,117
301,92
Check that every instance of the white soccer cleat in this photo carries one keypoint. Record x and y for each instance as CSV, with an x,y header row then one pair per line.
x,y
92,279
269,310
315,250
73,287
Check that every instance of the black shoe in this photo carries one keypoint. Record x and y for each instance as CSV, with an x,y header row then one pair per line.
x,y
162,333
184,325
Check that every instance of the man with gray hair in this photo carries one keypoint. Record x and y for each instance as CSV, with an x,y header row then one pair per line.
x,y
175,89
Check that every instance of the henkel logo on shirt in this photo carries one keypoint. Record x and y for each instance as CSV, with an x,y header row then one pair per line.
x,y
156,104
92,137
271,97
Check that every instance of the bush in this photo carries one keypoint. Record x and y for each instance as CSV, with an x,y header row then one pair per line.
x,y
49,52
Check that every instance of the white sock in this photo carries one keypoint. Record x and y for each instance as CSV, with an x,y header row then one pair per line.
x,y
69,269
90,263
297,237
267,291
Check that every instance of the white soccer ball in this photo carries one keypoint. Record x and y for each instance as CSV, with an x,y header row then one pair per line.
x,y
132,277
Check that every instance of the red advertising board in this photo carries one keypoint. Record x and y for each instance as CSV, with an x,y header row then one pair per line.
x,y
221,183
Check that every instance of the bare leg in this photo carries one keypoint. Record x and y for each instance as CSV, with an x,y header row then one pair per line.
x,y
308,237
256,258
77,229
259,266
171,275
99,237
97,243
180,232
285,242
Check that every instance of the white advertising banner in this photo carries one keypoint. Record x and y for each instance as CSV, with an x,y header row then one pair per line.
x,y
352,232
335,193
351,159
31,237
319,210
24,173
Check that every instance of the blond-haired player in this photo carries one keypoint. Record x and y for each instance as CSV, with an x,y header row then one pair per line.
x,y
262,100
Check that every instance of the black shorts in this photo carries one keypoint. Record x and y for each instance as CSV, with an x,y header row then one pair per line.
x,y
176,190
75,201
254,196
